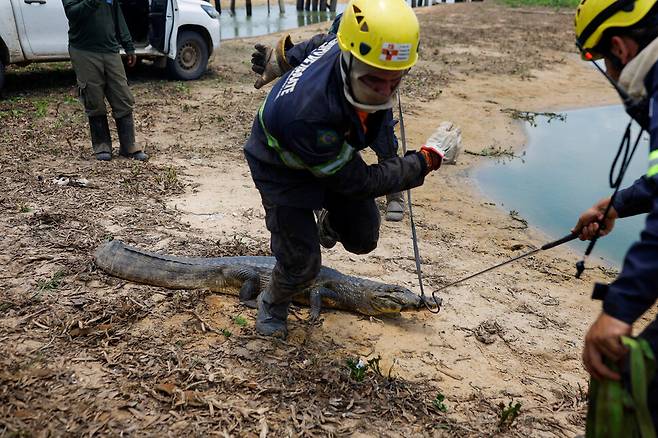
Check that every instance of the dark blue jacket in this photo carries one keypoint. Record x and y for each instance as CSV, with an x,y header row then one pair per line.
x,y
636,288
386,143
306,137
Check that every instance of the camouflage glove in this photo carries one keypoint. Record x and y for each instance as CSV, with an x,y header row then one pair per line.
x,y
270,63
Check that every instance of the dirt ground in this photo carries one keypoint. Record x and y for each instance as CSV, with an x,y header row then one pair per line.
x,y
83,353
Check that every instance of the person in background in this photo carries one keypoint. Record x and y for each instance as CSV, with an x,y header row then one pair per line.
x,y
97,31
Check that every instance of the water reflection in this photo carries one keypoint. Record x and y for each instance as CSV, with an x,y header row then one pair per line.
x,y
564,171
260,23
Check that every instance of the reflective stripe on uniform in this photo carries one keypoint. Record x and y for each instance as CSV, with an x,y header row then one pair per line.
x,y
653,163
293,161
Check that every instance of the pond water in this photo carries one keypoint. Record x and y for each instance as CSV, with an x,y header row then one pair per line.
x,y
563,172
260,23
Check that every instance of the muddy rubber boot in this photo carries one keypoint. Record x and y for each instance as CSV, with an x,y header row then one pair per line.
x,y
328,237
394,207
126,130
271,319
101,141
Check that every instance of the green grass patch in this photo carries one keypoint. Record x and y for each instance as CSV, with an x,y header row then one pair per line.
x,y
13,113
23,207
571,4
438,403
182,87
508,414
51,284
359,368
168,178
40,108
240,320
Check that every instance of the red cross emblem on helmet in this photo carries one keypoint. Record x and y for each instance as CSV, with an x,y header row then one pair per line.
x,y
389,52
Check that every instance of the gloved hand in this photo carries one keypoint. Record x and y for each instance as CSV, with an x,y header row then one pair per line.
x,y
433,157
270,63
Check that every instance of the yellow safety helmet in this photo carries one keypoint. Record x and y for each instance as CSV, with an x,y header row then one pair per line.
x,y
381,33
594,17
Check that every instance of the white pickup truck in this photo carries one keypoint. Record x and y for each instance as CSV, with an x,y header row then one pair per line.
x,y
179,34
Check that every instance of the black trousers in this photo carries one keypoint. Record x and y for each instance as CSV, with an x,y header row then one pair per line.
x,y
296,246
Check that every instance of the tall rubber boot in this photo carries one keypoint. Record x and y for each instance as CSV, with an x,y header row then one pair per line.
x,y
126,131
395,207
272,315
326,234
101,141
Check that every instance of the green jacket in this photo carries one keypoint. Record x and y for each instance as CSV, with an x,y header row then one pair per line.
x,y
96,26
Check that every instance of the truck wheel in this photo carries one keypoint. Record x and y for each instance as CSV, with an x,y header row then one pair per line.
x,y
2,76
191,57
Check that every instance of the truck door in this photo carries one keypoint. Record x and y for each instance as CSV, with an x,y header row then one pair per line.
x,y
44,26
161,17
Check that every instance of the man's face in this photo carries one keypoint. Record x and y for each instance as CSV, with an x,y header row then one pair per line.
x,y
611,70
383,82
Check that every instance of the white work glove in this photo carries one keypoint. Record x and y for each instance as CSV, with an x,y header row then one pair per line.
x,y
447,137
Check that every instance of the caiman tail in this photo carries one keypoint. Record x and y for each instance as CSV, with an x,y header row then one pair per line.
x,y
220,274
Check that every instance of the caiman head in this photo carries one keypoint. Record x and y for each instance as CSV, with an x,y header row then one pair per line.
x,y
381,299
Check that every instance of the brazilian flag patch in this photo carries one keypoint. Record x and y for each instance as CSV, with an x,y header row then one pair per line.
x,y
328,138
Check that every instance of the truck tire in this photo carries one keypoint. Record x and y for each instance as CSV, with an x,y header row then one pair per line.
x,y
2,76
191,57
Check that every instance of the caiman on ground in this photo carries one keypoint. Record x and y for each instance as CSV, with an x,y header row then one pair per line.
x,y
246,276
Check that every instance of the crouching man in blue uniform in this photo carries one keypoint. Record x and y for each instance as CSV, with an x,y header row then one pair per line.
x,y
625,34
272,62
303,151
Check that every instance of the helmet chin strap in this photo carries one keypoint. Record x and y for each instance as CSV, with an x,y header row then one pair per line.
x,y
347,72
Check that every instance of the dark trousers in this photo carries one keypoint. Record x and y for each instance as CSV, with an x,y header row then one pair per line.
x,y
296,246
101,76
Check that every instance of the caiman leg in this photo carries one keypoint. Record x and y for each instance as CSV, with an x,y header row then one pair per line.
x,y
315,300
250,287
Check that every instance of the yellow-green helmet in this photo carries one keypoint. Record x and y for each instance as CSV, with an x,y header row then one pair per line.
x,y
381,33
594,17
